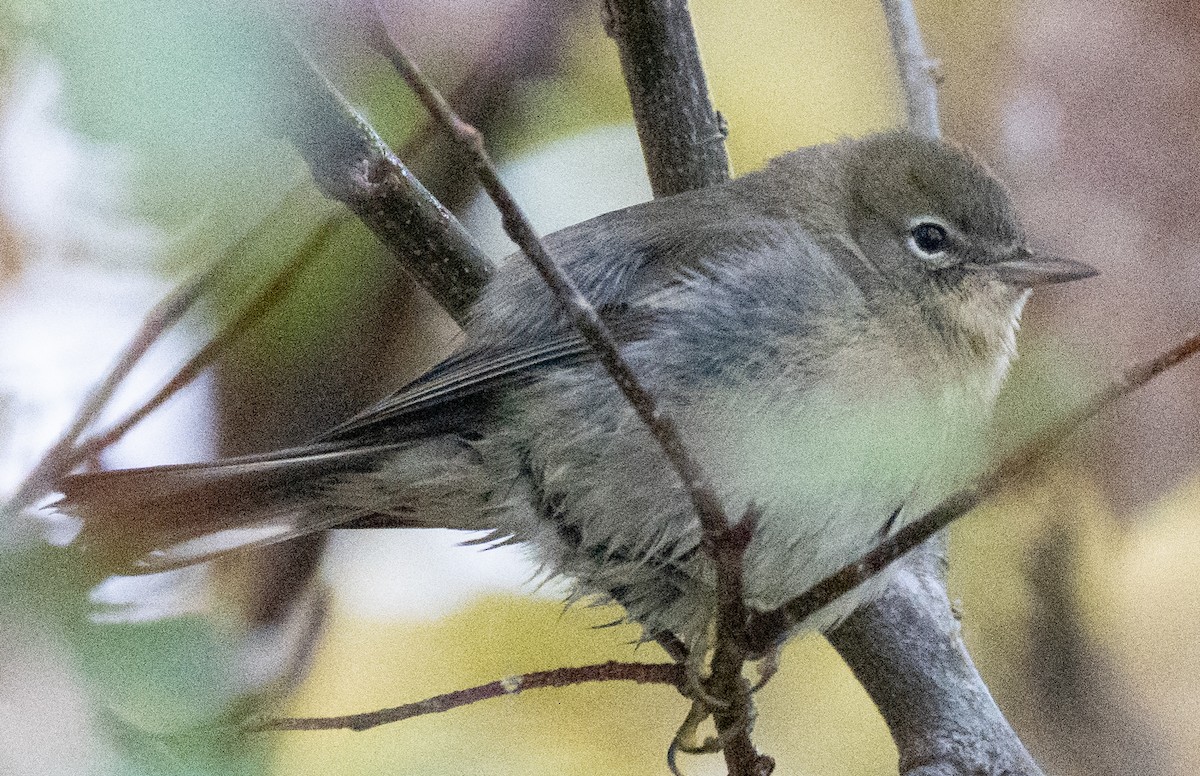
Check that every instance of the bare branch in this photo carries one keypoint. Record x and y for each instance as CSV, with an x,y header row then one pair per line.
x,y
724,542
944,722
918,73
352,164
612,671
529,47
683,137
729,655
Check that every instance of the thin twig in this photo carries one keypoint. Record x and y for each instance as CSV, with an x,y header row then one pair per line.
x,y
64,455
700,491
724,542
60,458
918,73
766,626
68,452
734,723
251,313
529,47
612,671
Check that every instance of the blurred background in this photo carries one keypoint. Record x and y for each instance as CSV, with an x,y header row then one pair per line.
x,y
141,140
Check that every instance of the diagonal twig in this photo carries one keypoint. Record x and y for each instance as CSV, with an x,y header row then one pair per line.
x,y
65,453
725,542
1010,470
61,458
700,491
612,671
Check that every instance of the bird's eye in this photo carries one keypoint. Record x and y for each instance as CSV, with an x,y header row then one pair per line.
x,y
929,238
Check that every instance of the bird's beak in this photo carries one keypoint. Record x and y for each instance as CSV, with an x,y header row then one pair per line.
x,y
1028,269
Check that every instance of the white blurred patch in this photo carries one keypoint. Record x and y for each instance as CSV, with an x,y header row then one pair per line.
x,y
58,529
567,181
63,193
152,597
280,654
62,328
421,574
218,542
1031,127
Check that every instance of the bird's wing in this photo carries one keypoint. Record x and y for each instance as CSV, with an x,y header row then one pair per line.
x,y
441,399
619,261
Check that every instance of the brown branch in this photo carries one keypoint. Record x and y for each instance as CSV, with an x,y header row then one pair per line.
x,y
724,542
612,671
683,137
765,626
917,72
352,164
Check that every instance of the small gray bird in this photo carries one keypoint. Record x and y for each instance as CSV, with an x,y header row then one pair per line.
x,y
830,334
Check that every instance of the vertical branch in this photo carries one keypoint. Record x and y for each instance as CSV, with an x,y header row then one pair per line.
x,y
918,73
683,137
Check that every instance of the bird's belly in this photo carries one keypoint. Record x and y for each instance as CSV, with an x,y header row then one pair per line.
x,y
831,477
827,474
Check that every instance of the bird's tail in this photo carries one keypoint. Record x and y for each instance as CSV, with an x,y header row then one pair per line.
x,y
158,518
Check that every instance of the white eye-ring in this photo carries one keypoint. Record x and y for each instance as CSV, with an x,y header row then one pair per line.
x,y
928,237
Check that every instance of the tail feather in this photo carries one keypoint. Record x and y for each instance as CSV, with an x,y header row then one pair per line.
x,y
157,518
